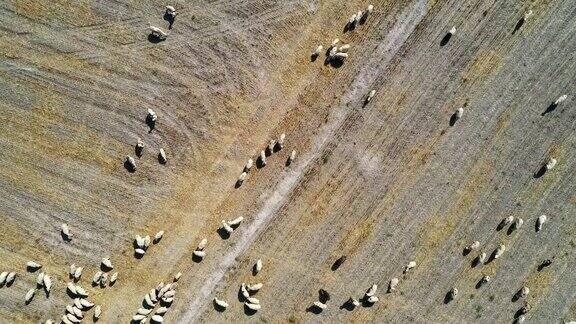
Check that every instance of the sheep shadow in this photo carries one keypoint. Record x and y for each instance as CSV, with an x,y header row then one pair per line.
x,y
365,302
196,258
238,184
519,312
348,305
323,296
349,27
445,39
223,234
466,251
519,25
448,298
65,237
453,119
314,57
169,18
516,296
9,284
138,150
501,225
240,295
129,167
277,148
544,265
31,269
479,284
165,303
217,307
150,123
155,39
104,268
338,263
288,162
314,309
260,163
138,256
540,172
254,271
248,311
161,160
72,295
336,63
511,229
550,109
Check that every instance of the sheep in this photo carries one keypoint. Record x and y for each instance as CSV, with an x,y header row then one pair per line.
x,y
171,11
236,221
369,9
202,244
168,300
139,148
3,276
550,164
473,246
372,290
258,266
525,309
353,301
291,157
253,300
392,285
484,280
103,280
270,147
372,299
241,178
199,254
254,307
244,291
81,292
47,283
158,236
344,48
162,156
280,141
452,30
520,319
72,269
448,36
66,231
263,158
40,279
113,278
332,52
522,20
517,224
409,266
77,303
505,222
160,286
139,252
33,266
29,295
69,309
352,20
523,292
144,311
77,312
499,251
10,278
158,33
317,52
248,165
96,278
149,301
97,312
72,288
78,273
334,42
107,263
157,318
139,241
340,56
359,16
320,305
459,113
227,227
65,320
540,222
162,310
452,294
72,318
560,99
177,276
152,295
138,317
220,303
130,163
370,96
49,321
254,287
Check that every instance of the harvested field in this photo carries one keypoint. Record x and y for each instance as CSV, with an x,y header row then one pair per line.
x,y
383,183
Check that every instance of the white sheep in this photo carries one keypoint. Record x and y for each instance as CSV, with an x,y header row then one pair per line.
x,y
332,52
372,290
177,276
254,307
528,14
139,241
517,223
254,287
151,114
452,30
77,312
10,278
147,241
258,266
236,221
291,157
32,265
484,280
97,312
358,18
139,252
78,273
3,276
47,283
459,113
520,319
263,158
81,292
29,295
280,142
453,293
344,48
227,227
202,244
96,278
242,177
72,318
138,317
473,246
369,9
162,156
171,11
40,279
168,300
409,266
157,318
248,165
560,99
130,162
354,301
392,285
507,221
373,299
72,288
499,251
107,263
540,222
244,291
149,301
152,295
320,305
352,20
65,320
220,303
524,292
103,280
341,56
158,236
157,32
113,278
334,42
66,230
551,164
199,254
162,310
253,300
271,145
317,51
144,311
77,303
72,269
69,309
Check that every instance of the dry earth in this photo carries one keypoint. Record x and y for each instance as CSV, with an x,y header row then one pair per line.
x,y
384,183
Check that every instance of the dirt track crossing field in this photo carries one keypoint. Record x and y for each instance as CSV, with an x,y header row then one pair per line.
x,y
384,183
